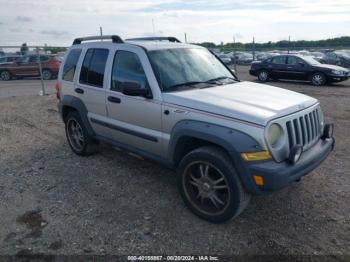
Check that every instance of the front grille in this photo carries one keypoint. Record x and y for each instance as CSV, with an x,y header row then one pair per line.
x,y
304,129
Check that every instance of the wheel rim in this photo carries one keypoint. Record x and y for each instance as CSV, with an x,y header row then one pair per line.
x,y
46,74
5,76
206,188
263,76
317,79
75,135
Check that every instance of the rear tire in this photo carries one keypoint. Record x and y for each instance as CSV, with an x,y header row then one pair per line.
x,y
263,76
318,79
77,136
210,186
5,75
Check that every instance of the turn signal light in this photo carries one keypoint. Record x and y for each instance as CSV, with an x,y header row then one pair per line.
x,y
259,180
255,156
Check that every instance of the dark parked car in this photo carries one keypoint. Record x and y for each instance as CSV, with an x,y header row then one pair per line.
x,y
297,67
340,58
27,66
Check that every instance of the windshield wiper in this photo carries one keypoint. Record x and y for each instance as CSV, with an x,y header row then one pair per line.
x,y
186,84
215,80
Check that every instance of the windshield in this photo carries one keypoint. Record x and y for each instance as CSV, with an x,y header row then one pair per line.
x,y
176,68
310,60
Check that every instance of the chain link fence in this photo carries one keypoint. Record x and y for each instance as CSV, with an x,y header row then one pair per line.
x,y
18,62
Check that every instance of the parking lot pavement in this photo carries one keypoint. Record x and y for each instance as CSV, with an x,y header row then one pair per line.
x,y
55,202
25,87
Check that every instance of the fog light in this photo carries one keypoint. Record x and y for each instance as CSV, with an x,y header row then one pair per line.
x,y
295,153
328,131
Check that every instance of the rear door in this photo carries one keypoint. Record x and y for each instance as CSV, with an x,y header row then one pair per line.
x,y
278,67
25,66
90,87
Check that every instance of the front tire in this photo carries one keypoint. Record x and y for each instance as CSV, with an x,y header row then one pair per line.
x,y
318,79
47,74
210,186
263,76
77,136
5,75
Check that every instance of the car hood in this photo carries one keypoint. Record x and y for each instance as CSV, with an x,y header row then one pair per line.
x,y
332,67
248,101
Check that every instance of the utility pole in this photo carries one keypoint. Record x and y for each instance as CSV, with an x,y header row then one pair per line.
x,y
288,44
234,54
253,48
42,93
101,32
154,30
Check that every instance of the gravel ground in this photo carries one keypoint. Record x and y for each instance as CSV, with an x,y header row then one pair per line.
x,y
55,202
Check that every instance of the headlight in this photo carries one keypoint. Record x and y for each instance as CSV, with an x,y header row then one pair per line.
x,y
274,134
337,72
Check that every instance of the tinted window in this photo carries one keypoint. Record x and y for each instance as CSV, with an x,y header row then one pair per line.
x,y
292,60
44,58
71,64
33,59
127,67
3,59
11,59
92,71
279,60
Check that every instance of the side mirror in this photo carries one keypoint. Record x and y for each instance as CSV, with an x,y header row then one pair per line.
x,y
134,89
301,64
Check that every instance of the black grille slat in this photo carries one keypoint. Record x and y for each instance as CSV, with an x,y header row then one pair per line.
x,y
304,130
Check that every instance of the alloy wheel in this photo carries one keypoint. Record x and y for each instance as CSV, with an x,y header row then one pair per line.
x,y
75,135
263,76
206,188
317,79
5,76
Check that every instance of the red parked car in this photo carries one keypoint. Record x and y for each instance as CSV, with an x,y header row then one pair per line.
x,y
28,66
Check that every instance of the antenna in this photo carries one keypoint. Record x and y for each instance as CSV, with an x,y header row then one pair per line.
x,y
185,38
101,32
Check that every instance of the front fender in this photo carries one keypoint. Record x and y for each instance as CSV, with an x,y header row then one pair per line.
x,y
233,141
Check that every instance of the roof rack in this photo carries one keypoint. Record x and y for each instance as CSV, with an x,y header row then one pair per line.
x,y
115,39
159,38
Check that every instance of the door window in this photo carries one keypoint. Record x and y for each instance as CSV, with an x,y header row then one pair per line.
x,y
281,60
93,68
127,67
292,60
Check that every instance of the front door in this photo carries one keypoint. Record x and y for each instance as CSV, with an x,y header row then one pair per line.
x,y
297,68
134,121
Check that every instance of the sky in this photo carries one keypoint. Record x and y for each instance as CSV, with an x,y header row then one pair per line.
x,y
58,22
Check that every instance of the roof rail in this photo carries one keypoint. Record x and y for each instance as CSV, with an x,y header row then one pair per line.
x,y
159,38
115,39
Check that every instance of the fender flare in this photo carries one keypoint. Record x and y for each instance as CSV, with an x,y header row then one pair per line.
x,y
79,106
233,141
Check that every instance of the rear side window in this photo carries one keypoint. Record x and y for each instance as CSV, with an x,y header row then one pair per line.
x,y
93,68
279,60
127,67
71,64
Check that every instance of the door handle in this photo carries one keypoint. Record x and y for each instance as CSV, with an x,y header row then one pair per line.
x,y
114,99
79,90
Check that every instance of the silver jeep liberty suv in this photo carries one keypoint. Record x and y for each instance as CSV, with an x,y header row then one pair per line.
x,y
180,105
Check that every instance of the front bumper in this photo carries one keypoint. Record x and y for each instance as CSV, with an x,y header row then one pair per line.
x,y
337,78
279,175
253,72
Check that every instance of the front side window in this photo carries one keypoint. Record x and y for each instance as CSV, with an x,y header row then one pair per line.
x,y
178,67
71,64
127,67
279,60
292,60
93,68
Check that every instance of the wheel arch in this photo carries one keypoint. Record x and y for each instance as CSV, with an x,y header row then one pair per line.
x,y
188,135
71,103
